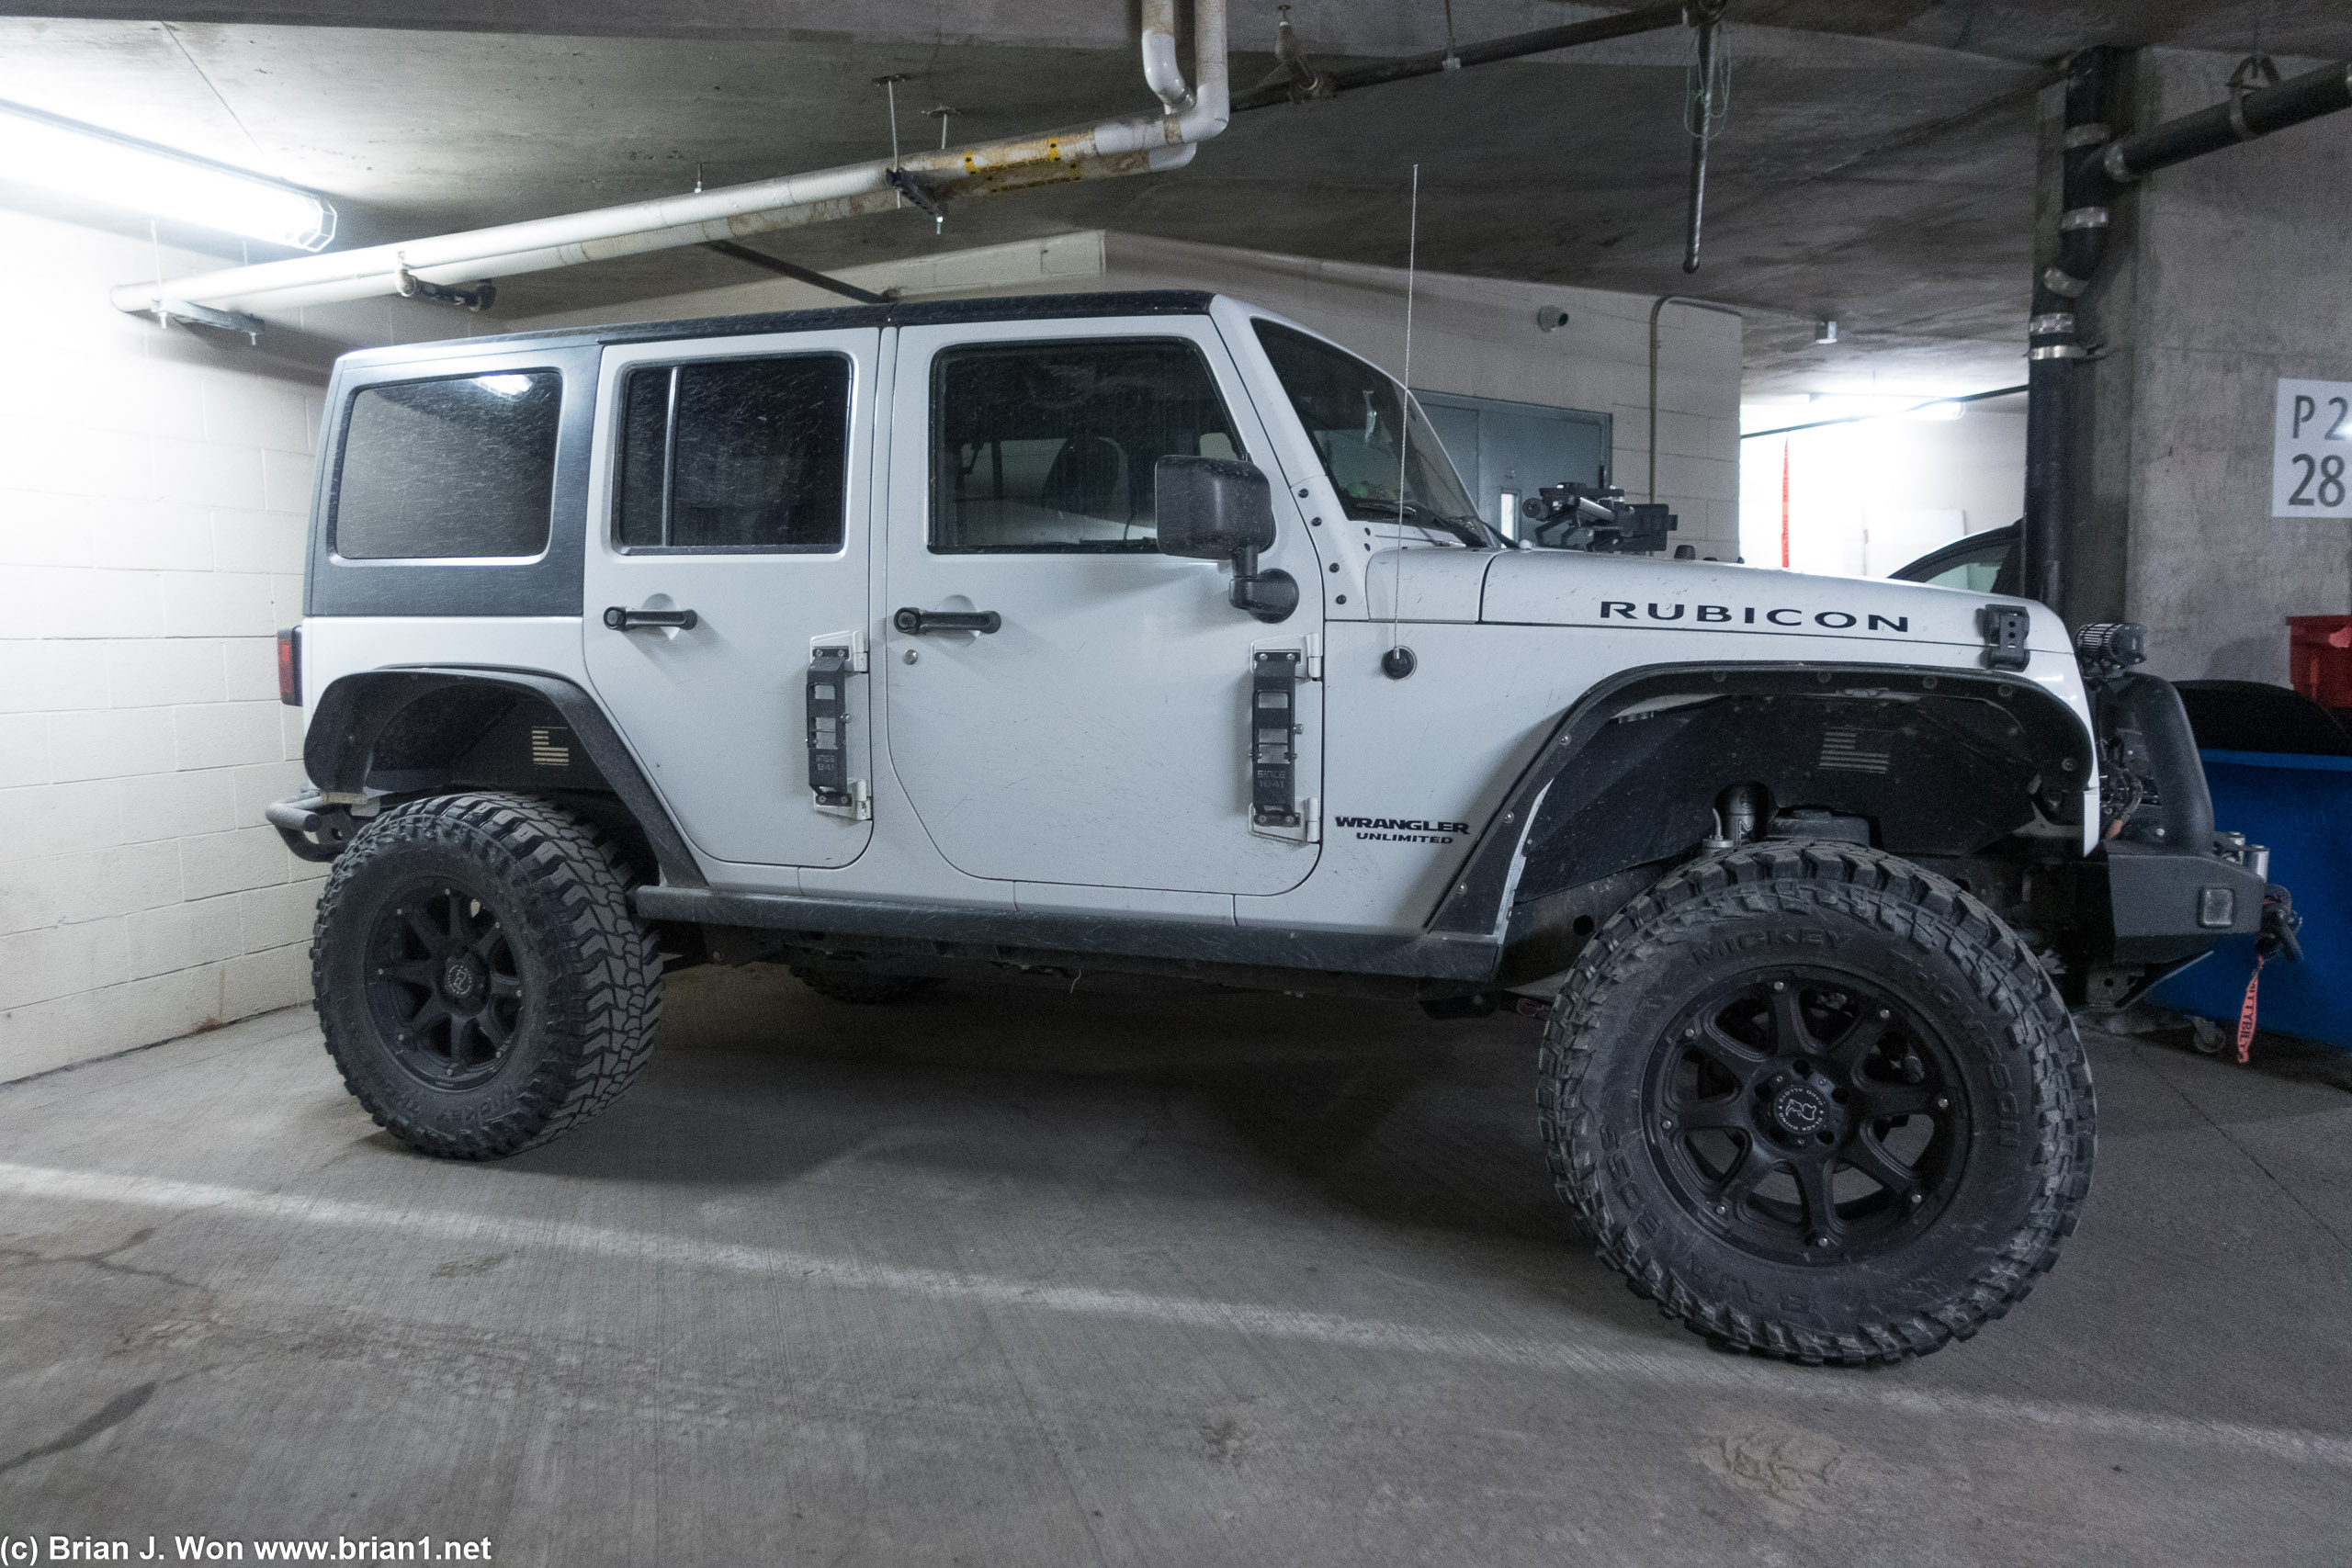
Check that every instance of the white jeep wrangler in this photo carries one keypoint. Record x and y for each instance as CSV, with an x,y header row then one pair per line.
x,y
1151,633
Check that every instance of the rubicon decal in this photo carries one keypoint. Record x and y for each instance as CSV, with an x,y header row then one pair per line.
x,y
1403,829
1782,616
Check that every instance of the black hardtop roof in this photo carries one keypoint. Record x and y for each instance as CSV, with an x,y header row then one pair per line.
x,y
919,314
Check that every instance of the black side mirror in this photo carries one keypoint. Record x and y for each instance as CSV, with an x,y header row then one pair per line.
x,y
1218,509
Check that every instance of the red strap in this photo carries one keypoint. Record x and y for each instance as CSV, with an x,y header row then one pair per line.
x,y
2246,1013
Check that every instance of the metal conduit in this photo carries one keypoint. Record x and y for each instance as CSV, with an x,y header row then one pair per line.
x,y
1132,144
1663,301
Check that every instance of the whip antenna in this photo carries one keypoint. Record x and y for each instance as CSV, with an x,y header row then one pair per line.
x,y
1399,661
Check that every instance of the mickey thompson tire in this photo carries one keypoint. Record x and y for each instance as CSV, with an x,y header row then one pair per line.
x,y
479,975
1817,1103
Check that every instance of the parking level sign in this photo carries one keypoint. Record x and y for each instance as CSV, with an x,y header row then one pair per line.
x,y
2309,449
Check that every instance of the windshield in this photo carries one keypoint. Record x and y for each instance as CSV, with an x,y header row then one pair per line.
x,y
1351,411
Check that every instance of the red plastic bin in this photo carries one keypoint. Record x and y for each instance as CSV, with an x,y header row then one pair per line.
x,y
2319,658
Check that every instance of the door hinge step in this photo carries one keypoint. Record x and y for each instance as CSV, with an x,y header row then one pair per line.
x,y
855,804
1307,830
1308,646
851,643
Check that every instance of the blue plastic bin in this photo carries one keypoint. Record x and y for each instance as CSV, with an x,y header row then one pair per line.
x,y
2302,807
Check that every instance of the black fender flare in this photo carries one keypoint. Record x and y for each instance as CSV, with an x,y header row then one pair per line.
x,y
1479,900
354,712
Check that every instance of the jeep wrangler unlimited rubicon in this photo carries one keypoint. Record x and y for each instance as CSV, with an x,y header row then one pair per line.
x,y
1151,633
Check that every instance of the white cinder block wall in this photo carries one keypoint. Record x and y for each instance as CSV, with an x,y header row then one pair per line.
x,y
153,494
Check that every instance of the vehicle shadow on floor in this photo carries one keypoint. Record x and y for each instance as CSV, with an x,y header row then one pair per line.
x,y
1375,1110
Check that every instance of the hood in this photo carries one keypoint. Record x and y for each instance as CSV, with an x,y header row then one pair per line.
x,y
1425,583
1821,616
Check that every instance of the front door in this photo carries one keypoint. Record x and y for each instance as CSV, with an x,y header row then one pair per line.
x,y
1101,734
731,482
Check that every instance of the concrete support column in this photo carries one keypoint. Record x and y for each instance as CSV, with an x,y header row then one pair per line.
x,y
2222,274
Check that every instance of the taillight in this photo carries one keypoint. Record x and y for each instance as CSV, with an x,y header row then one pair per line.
x,y
289,667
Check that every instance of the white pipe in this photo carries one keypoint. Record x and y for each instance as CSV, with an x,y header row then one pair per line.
x,y
1159,70
1129,144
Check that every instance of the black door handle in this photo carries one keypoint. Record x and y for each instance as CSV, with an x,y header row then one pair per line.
x,y
622,620
916,622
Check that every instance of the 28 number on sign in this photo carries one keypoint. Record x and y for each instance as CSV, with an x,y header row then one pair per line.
x,y
2310,445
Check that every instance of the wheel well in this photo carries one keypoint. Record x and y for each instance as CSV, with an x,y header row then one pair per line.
x,y
1937,764
404,733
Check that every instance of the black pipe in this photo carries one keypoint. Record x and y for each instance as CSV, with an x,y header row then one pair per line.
x,y
807,275
2099,166
1646,19
2308,97
2052,341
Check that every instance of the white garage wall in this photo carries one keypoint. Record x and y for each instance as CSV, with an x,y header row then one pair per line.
x,y
1471,335
153,494
1478,336
1867,498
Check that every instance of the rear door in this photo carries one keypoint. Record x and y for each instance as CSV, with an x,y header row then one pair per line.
x,y
732,480
1103,734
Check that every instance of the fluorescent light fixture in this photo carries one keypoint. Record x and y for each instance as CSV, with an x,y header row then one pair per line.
x,y
81,160
1939,411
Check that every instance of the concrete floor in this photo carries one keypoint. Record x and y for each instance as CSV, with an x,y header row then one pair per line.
x,y
1025,1279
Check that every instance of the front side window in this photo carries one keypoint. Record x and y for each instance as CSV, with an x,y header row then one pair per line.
x,y
749,456
1976,576
1355,416
462,465
1054,446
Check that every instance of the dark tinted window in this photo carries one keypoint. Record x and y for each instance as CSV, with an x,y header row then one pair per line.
x,y
1357,420
459,467
1053,445
748,454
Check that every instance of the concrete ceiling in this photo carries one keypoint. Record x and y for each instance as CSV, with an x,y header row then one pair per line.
x,y
1877,166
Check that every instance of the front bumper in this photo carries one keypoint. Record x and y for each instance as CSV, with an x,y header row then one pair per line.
x,y
2156,904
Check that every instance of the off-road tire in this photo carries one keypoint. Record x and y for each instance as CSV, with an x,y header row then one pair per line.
x,y
1835,923
581,983
843,983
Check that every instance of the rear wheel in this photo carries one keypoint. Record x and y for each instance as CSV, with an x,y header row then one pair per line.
x,y
479,975
1819,1103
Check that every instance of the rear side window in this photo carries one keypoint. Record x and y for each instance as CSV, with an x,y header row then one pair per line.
x,y
742,454
461,466
1053,447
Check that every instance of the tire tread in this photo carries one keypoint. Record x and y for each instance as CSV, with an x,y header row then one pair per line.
x,y
1795,877
604,1000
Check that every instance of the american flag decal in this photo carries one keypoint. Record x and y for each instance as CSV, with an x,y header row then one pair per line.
x,y
1857,750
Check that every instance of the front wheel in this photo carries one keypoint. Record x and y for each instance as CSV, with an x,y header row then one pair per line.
x,y
1819,1103
480,977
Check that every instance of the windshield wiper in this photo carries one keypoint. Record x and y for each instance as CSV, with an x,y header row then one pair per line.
x,y
1413,515
1469,530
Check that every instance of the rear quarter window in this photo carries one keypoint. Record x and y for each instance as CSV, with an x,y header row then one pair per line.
x,y
455,466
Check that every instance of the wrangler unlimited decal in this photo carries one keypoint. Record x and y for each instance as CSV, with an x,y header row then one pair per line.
x,y
1748,614
1402,829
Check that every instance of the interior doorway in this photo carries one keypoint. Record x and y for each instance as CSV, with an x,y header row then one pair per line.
x,y
1507,451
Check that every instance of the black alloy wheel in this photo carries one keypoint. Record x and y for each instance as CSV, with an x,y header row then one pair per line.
x,y
1817,1102
480,977
448,988
1805,1115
